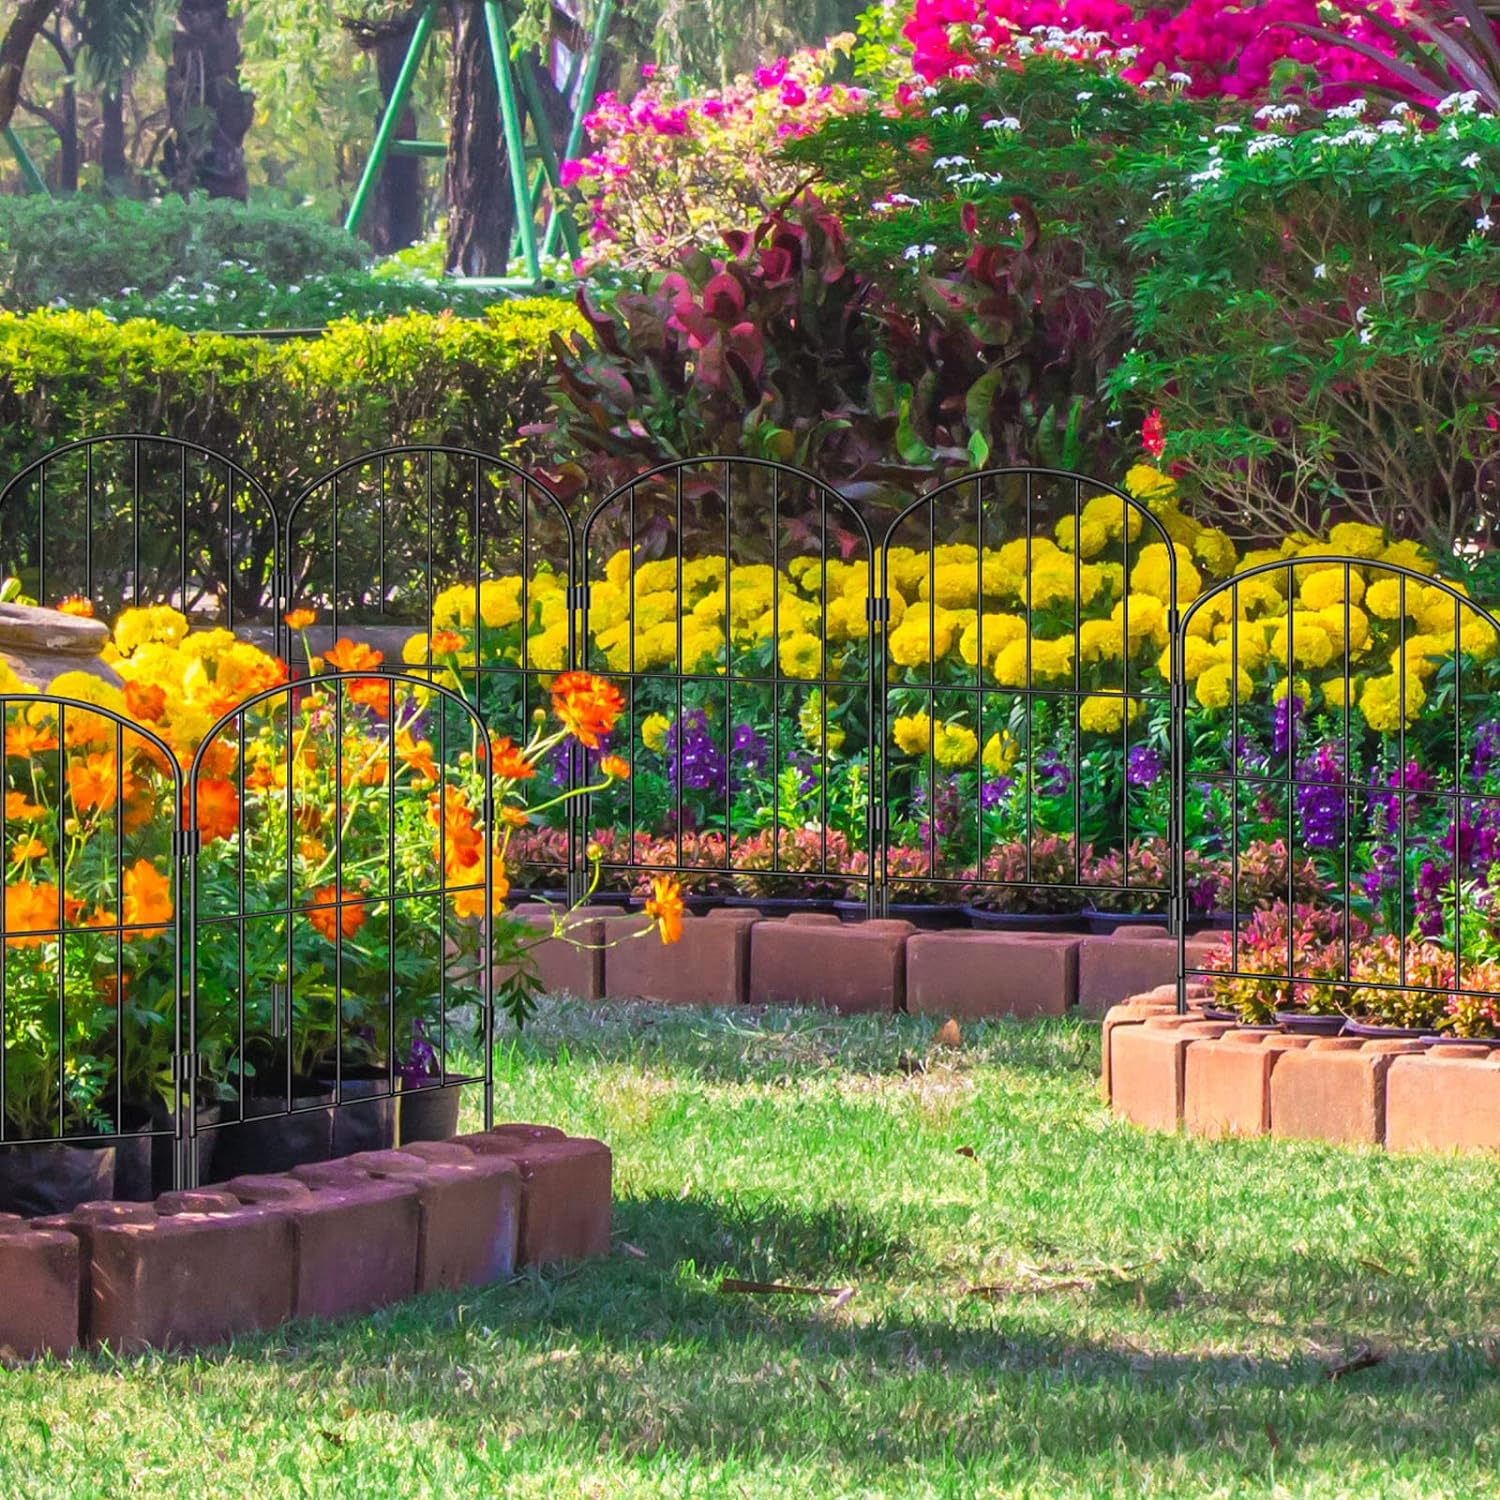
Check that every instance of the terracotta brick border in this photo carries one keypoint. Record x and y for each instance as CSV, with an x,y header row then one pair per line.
x,y
330,1240
1171,1072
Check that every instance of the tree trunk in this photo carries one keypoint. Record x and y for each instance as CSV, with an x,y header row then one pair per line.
x,y
397,214
112,159
210,112
481,211
14,50
67,136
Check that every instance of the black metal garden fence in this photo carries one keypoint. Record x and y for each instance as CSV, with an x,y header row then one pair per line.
x,y
1011,703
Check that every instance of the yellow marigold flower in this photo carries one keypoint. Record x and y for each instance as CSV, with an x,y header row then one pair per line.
x,y
1145,617
1052,661
1112,578
1101,641
999,630
1024,553
1086,538
1182,530
924,635
953,585
1197,657
1409,555
1300,688
701,648
1105,714
500,602
1259,555
1356,539
1117,518
1381,702
654,731
955,745
800,654
1001,752
1340,692
1309,640
548,652
1476,636
1341,619
155,623
905,570
1152,575
1147,482
913,733
1326,586
1213,689
846,619
1215,550
454,607
1383,598
1423,654
9,681
617,569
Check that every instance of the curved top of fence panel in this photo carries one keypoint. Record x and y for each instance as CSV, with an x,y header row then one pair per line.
x,y
401,543
134,518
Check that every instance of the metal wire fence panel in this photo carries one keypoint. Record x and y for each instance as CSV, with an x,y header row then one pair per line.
x,y
1027,715
343,892
133,519
731,598
89,970
453,565
1340,732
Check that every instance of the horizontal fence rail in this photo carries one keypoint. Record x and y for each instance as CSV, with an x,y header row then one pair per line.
x,y
1016,701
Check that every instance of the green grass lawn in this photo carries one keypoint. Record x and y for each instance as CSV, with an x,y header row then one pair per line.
x,y
1164,1316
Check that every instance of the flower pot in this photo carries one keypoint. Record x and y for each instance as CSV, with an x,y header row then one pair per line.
x,y
1376,1031
54,1177
1222,1013
133,1156
937,916
1300,1023
1102,923
781,906
428,1114
1025,921
365,1117
164,1146
271,1139
1442,1039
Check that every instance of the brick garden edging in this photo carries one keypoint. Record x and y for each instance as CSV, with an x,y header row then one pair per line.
x,y
331,1239
1170,1072
733,956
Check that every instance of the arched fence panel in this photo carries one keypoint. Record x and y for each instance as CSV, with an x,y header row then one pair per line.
x,y
342,899
453,565
89,963
1340,730
131,519
732,597
1027,764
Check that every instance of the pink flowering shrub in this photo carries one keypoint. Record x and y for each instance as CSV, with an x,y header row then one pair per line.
x,y
667,173
1224,49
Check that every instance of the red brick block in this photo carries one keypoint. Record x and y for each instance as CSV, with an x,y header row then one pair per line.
x,y
1133,1012
1334,1090
563,967
566,1194
438,1151
40,1277
707,966
976,974
356,1244
188,1279
852,968
1149,1067
1116,968
340,1172
196,1201
470,1215
1227,1087
1447,1099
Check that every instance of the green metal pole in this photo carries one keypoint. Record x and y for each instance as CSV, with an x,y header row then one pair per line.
x,y
35,182
515,145
594,61
387,130
533,93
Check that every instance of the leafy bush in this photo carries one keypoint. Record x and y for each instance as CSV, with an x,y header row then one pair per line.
x,y
283,410
79,250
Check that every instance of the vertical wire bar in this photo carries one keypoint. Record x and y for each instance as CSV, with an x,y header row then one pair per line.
x,y
6,705
979,660
380,527
1029,699
730,764
242,910
390,892
182,1068
338,895
88,522
1348,798
442,883
187,1154
824,677
182,542
1291,773
775,671
1077,692
678,666
929,770
1401,646
62,1006
119,934
1234,781
1458,801
291,965
41,533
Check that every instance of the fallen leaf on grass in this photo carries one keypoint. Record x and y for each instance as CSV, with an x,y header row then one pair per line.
x,y
948,1034
633,1251
1272,1439
1362,1359
841,1294
908,1064
1371,1264
1491,1352
336,1438
846,1296
968,1151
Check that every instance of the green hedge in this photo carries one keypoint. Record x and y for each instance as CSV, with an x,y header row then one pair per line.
x,y
283,410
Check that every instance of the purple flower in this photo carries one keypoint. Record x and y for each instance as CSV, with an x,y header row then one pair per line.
x,y
1321,807
1053,772
749,747
1142,766
421,1062
1432,881
1486,749
1284,722
993,793
693,756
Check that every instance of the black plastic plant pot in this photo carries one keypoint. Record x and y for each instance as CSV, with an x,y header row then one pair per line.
x,y
1300,1023
1221,1013
783,906
365,1119
1025,921
54,1177
268,1139
1442,1039
133,1156
945,916
164,1147
1376,1031
1102,923
428,1114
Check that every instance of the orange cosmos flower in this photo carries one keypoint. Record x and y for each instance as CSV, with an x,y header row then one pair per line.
x,y
300,619
30,906
333,922
76,604
30,848
665,907
471,903
148,897
93,782
446,643
507,761
615,767
145,702
587,705
516,817
353,656
101,917
25,740
416,755
218,808
18,808
459,843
